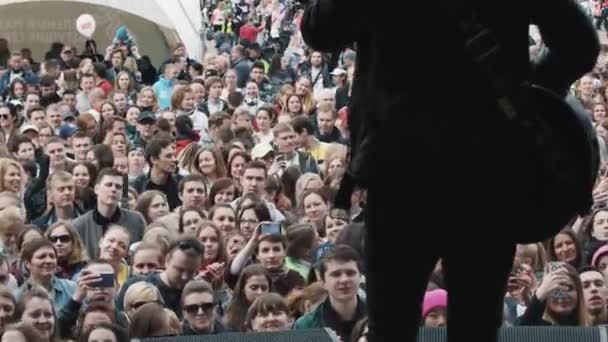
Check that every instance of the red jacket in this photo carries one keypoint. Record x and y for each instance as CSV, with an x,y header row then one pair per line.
x,y
106,86
250,32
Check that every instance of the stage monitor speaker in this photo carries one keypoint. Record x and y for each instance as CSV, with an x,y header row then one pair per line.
x,y
309,335
514,334
529,334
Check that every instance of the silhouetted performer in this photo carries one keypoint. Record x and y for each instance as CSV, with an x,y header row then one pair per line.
x,y
446,180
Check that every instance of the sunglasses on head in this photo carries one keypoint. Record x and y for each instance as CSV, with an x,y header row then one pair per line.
x,y
187,245
194,308
62,238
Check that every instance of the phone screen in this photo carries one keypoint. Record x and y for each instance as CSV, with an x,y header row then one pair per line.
x,y
107,280
271,228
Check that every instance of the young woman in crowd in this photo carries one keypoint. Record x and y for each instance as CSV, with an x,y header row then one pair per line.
x,y
223,191
209,163
333,224
152,204
126,83
12,176
191,221
71,255
565,247
224,217
314,204
250,215
304,92
268,313
236,165
252,283
84,175
558,300
114,248
147,101
214,261
263,121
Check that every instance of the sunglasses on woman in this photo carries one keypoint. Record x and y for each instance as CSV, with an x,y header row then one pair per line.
x,y
61,238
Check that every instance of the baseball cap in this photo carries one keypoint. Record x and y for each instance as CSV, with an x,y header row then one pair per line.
x,y
66,131
28,127
260,151
338,72
68,116
146,116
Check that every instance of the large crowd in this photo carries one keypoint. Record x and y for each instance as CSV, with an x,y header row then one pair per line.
x,y
195,196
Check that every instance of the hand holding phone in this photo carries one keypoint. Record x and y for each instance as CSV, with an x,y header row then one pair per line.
x,y
270,228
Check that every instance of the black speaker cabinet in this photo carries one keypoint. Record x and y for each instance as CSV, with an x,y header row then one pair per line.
x,y
515,334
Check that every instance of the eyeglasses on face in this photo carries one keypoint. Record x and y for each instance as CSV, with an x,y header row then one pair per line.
x,y
194,308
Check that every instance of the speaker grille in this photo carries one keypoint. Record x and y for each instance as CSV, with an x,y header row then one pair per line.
x,y
310,335
527,334
515,334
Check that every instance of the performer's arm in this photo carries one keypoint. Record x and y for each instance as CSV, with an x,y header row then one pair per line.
x,y
329,25
572,42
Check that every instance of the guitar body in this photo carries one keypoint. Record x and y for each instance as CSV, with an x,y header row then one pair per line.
x,y
566,152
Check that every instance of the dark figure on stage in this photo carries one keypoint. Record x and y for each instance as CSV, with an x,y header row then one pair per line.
x,y
447,181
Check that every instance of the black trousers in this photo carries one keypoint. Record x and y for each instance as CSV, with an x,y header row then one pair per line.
x,y
415,218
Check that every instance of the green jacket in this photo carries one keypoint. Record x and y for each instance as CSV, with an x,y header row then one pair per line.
x,y
316,318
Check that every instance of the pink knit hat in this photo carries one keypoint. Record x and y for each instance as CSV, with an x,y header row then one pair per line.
x,y
598,255
434,299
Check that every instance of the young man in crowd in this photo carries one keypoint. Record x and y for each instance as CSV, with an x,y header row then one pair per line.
x,y
81,144
341,274
285,140
91,226
87,84
182,264
253,181
60,189
160,155
594,290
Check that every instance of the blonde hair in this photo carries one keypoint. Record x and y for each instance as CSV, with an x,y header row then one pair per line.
x,y
536,252
174,322
142,291
10,216
155,99
5,164
302,183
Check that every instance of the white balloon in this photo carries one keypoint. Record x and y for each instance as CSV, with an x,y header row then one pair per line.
x,y
85,24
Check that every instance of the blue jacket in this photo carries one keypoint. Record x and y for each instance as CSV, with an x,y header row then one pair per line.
x,y
29,78
60,294
163,89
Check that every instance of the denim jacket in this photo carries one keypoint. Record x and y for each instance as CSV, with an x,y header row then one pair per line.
x,y
60,293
